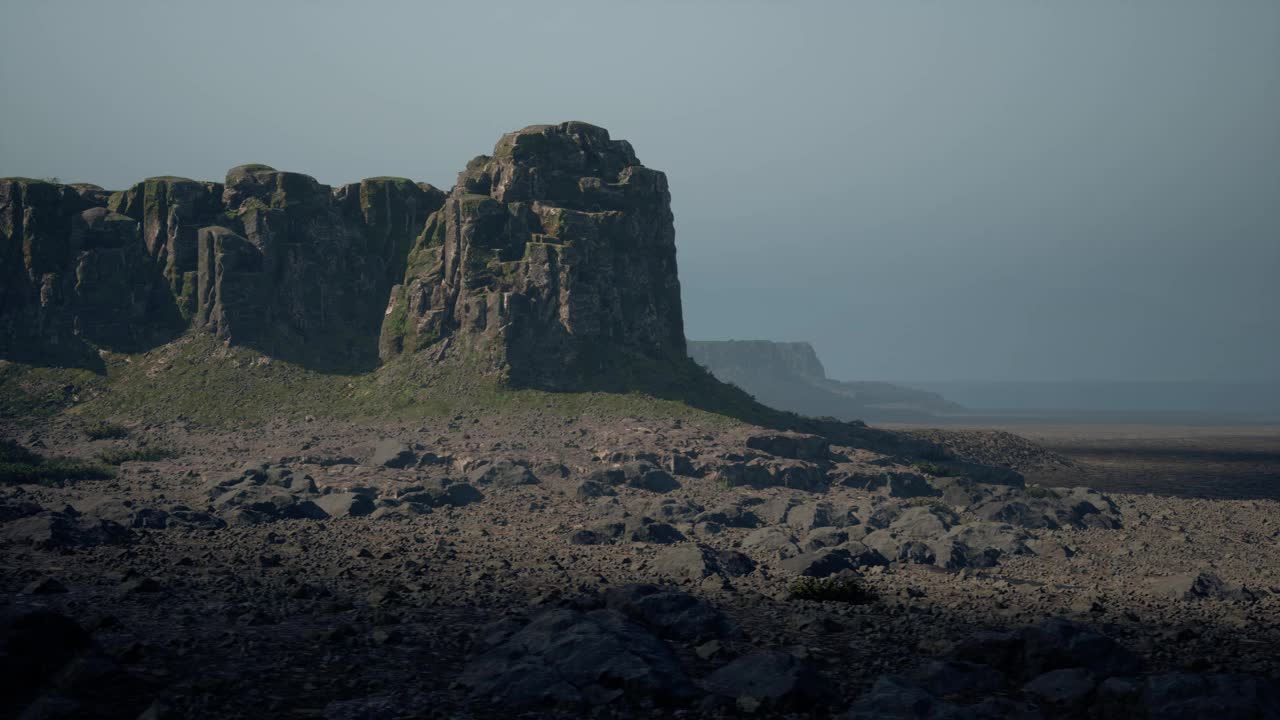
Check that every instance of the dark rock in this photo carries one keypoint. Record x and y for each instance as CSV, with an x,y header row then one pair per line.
x,y
1191,586
791,445
729,515
571,658
734,563
824,537
503,473
654,480
45,586
587,537
393,454
771,543
771,680
1065,688
649,531
820,563
51,530
347,504
669,612
34,645
439,493
686,561
944,678
590,490
1059,644
1183,696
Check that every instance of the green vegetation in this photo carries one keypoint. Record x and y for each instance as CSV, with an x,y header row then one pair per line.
x,y
1036,491
926,501
18,465
117,456
28,391
103,430
199,379
934,469
831,589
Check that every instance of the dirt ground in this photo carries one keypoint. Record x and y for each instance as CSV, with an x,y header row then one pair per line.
x,y
381,614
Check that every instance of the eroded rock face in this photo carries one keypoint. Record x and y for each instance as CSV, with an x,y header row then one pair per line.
x,y
550,259
270,259
297,268
72,270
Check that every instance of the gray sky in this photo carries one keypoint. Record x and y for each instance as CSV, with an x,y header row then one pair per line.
x,y
1076,189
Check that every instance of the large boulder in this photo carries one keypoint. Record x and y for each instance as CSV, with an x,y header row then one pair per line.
x,y
570,658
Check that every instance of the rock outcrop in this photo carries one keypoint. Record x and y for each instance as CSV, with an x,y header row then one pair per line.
x,y
74,272
789,376
550,260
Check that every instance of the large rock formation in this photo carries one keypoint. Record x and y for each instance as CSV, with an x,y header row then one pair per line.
x,y
789,376
73,272
551,260
271,259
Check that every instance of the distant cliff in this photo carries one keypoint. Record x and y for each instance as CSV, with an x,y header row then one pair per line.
x,y
789,376
551,259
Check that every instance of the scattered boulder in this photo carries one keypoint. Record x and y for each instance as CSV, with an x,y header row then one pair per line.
x,y
797,446
769,680
646,476
1191,586
345,504
502,473
819,564
686,561
392,453
669,612
571,658
51,530
1064,688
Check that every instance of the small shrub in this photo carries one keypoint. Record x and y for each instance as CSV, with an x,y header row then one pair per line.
x,y
1036,491
142,454
831,589
934,469
926,501
19,466
104,430
13,453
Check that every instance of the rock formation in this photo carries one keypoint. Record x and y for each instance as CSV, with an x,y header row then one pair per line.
x,y
789,376
550,260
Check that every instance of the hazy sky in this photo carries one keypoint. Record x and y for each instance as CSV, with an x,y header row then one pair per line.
x,y
1066,189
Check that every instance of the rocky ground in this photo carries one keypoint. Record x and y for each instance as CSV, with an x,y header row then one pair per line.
x,y
533,564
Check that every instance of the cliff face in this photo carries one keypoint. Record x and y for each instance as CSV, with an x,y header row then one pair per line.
x,y
73,273
765,358
269,259
551,259
789,376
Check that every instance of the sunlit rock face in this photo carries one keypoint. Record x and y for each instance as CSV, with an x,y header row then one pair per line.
x,y
553,259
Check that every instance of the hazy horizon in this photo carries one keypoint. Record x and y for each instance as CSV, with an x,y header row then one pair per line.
x,y
963,192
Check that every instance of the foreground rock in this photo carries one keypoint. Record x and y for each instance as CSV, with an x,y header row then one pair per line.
x,y
571,658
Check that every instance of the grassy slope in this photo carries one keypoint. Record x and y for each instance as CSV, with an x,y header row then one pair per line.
x,y
198,379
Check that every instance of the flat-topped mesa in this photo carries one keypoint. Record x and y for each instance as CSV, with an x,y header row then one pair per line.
x,y
552,260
